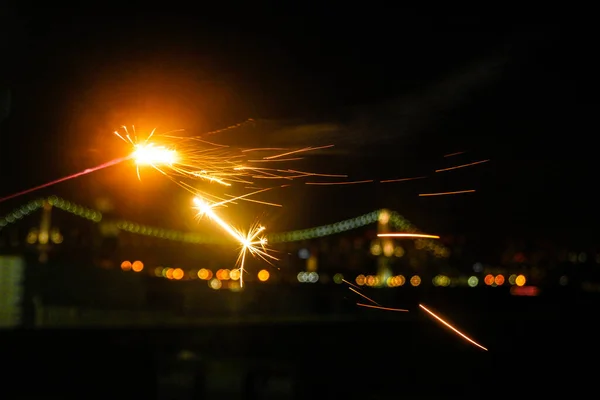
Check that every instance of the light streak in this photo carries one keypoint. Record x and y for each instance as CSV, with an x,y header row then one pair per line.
x,y
194,158
351,284
447,324
446,193
365,297
402,179
462,166
338,183
381,308
455,154
407,235
298,151
251,242
66,178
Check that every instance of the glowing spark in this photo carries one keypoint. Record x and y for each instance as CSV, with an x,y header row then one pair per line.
x,y
297,151
365,297
461,166
66,178
402,179
407,235
197,159
455,154
338,183
148,154
350,283
446,193
381,308
276,160
250,241
459,333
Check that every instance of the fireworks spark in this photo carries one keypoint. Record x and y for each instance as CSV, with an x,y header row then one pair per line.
x,y
66,178
461,166
407,235
452,328
446,193
193,158
375,305
381,308
251,242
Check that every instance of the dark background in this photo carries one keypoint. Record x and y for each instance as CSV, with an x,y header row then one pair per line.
x,y
395,90
400,89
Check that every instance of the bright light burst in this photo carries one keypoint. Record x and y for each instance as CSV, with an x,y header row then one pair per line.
x,y
193,158
148,154
251,242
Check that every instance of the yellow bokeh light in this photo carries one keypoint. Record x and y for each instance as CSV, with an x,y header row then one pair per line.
x,y
370,280
215,284
360,280
263,275
204,274
137,266
388,248
384,217
520,280
415,280
234,275
398,251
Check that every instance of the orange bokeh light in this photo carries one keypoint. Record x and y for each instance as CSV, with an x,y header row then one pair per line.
x,y
126,265
489,279
499,280
178,273
137,266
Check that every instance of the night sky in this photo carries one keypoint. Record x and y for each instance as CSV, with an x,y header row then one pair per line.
x,y
394,92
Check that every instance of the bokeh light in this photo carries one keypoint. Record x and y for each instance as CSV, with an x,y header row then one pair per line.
x,y
263,275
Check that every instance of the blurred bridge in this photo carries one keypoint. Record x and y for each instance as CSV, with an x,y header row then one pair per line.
x,y
79,267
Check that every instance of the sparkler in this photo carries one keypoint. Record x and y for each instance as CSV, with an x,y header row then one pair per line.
x,y
193,158
251,242
197,159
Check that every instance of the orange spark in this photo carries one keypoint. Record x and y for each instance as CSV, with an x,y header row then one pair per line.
x,y
297,151
277,160
461,166
402,179
446,193
381,308
454,154
459,333
338,183
365,297
350,283
407,235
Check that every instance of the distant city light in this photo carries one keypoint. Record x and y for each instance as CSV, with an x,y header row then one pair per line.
x,y
263,275
473,281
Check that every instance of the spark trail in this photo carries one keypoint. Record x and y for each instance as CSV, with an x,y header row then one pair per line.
x,y
251,242
66,178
